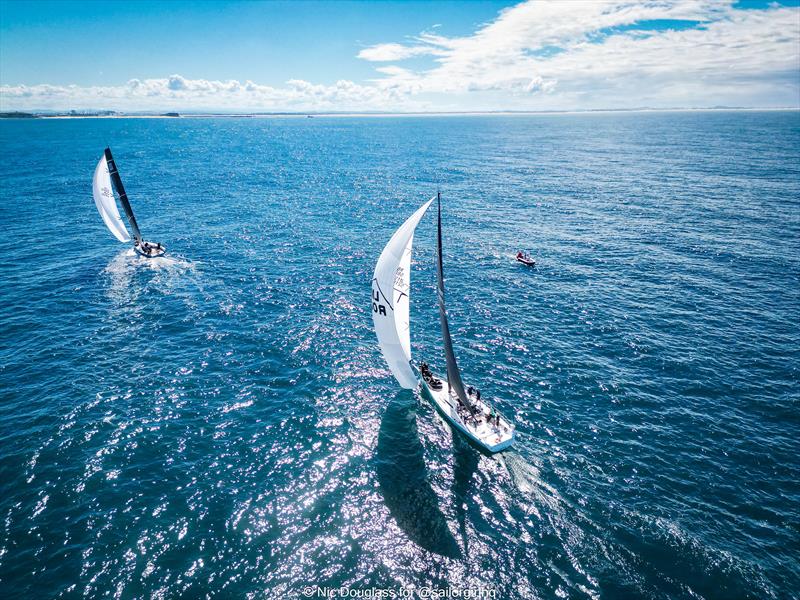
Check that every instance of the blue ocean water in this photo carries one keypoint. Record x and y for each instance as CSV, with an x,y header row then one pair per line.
x,y
221,423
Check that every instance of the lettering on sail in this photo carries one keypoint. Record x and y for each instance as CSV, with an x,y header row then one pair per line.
x,y
377,305
398,280
400,285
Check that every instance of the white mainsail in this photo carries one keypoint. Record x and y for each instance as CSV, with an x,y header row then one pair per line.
x,y
106,205
390,303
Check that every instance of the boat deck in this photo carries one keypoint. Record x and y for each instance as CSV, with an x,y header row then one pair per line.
x,y
481,429
153,251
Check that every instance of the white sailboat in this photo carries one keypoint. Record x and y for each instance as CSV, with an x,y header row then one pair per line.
x,y
106,180
391,286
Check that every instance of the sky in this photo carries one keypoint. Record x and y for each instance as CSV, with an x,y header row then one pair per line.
x,y
398,56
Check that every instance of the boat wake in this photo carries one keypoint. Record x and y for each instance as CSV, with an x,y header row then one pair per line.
x,y
129,260
166,272
166,262
526,478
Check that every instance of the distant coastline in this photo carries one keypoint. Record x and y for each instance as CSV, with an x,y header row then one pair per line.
x,y
17,115
106,114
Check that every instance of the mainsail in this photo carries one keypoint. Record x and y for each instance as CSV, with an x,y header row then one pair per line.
x,y
390,308
106,205
123,197
453,374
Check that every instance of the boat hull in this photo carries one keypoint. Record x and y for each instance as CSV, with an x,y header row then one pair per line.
x,y
154,251
488,437
529,263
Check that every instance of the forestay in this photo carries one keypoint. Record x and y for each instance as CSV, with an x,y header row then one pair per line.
x,y
390,300
106,205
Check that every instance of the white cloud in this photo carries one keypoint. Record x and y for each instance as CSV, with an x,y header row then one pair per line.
x,y
390,52
592,55
536,55
177,92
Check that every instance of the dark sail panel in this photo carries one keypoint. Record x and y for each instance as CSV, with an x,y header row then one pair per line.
x,y
453,374
123,197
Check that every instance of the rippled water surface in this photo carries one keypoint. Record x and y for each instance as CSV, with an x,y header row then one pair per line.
x,y
220,422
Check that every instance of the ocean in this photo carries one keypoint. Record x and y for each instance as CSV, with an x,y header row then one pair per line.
x,y
220,423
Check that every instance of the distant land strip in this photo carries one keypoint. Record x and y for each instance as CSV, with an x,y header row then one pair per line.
x,y
110,114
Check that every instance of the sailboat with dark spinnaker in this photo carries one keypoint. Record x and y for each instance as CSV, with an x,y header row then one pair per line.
x,y
106,181
463,408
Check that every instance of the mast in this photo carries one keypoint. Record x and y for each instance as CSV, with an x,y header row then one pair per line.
x,y
453,374
123,197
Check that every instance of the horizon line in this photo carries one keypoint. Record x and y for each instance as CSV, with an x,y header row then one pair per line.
x,y
173,114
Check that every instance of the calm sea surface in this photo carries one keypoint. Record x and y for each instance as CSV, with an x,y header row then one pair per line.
x,y
221,423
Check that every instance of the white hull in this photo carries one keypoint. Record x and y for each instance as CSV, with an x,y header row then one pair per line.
x,y
479,430
153,253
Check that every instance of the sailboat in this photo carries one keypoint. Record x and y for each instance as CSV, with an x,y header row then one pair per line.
x,y
463,408
107,180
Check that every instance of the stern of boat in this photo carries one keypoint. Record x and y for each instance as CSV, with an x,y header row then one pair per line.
x,y
486,436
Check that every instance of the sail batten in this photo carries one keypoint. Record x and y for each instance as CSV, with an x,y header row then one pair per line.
x,y
123,196
453,374
104,200
391,285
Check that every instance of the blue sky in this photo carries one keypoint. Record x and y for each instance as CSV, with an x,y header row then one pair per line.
x,y
407,56
88,43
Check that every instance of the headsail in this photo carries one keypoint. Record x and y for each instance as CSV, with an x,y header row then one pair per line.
x,y
453,374
106,205
390,308
123,197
